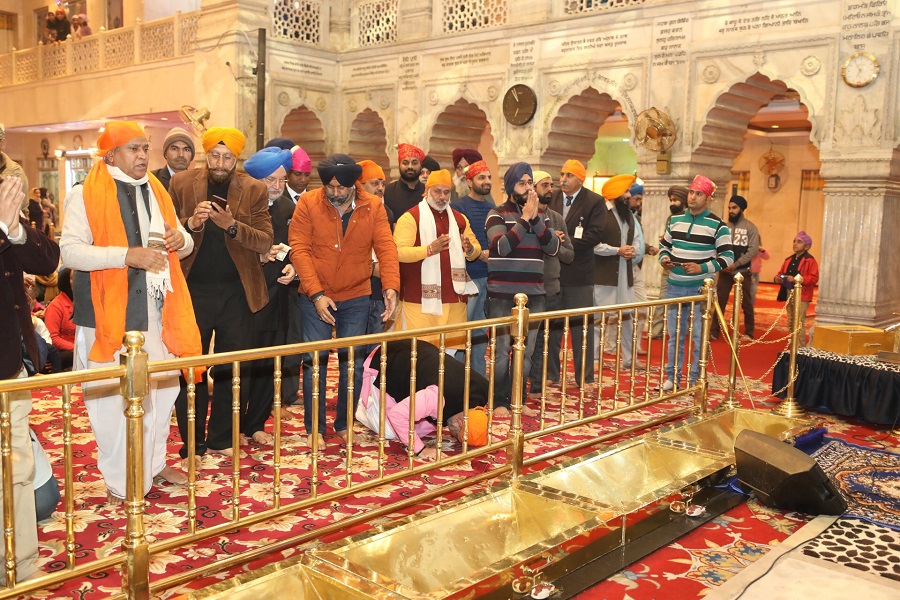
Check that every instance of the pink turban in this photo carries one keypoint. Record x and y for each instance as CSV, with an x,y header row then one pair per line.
x,y
703,184
301,160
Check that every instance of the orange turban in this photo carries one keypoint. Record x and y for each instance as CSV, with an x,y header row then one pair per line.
x,y
475,168
405,151
478,425
441,177
617,186
575,168
233,139
370,171
116,133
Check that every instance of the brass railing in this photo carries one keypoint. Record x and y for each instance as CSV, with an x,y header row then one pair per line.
x,y
135,371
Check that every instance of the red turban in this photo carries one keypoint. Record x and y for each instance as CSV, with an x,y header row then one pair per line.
x,y
703,184
575,168
116,133
475,168
405,151
370,171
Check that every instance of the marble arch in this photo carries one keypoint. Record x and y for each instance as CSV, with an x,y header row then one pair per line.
x,y
461,125
573,131
303,127
367,139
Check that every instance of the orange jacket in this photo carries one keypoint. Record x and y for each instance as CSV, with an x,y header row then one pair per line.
x,y
340,264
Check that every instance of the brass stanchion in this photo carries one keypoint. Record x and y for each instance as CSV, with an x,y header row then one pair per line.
x,y
730,402
706,319
520,312
9,522
789,407
133,387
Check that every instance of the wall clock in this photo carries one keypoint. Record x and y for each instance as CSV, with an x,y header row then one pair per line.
x,y
860,70
519,104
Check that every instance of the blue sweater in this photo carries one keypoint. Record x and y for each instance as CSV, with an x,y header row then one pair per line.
x,y
477,213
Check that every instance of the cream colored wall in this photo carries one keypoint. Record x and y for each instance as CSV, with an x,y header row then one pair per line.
x,y
780,214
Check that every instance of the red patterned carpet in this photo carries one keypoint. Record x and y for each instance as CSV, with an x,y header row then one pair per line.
x,y
695,564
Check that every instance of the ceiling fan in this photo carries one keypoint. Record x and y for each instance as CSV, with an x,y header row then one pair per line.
x,y
195,118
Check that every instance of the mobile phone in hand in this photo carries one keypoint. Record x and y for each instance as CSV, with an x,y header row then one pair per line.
x,y
219,201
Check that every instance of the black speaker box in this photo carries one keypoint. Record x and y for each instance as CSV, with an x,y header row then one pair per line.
x,y
784,477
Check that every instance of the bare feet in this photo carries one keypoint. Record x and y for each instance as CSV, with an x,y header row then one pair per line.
x,y
198,463
428,454
263,438
321,440
343,435
172,476
113,500
229,452
501,411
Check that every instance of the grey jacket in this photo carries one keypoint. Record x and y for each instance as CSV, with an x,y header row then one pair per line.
x,y
566,254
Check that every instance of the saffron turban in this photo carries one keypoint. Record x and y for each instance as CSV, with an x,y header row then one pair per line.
x,y
283,143
637,189
679,191
470,154
704,185
405,151
370,171
116,133
266,161
616,186
514,174
340,167
475,168
804,237
439,177
540,176
575,168
478,423
233,139
740,201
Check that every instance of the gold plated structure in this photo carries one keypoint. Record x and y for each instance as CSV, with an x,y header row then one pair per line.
x,y
789,407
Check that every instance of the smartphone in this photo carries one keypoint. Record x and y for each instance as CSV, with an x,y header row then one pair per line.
x,y
220,201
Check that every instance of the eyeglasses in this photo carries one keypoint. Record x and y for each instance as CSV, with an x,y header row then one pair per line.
x,y
225,159
270,181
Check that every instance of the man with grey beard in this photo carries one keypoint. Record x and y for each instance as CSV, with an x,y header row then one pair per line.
x,y
462,158
332,235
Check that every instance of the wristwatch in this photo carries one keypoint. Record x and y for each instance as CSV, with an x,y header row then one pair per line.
x,y
232,230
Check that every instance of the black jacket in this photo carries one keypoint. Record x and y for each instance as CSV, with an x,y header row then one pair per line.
x,y
589,211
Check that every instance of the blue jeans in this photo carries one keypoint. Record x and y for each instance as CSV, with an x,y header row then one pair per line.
x,y
475,312
502,307
350,320
678,291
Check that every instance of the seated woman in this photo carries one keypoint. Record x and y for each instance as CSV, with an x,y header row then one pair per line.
x,y
397,413
58,318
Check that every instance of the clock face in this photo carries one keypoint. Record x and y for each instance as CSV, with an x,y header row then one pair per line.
x,y
860,69
519,104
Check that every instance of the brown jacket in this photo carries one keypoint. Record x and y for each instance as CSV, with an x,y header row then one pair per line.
x,y
248,202
328,260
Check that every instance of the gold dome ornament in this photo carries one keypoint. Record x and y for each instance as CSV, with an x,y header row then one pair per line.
x,y
860,69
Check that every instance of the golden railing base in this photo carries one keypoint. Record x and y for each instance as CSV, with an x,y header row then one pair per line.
x,y
789,408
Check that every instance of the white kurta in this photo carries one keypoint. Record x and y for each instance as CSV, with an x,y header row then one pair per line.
x,y
104,403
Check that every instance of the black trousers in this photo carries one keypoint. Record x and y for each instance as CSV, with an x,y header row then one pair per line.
x,y
723,292
581,296
221,309
291,390
256,404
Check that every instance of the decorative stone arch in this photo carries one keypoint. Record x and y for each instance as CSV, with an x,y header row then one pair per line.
x,y
303,127
368,139
573,131
461,125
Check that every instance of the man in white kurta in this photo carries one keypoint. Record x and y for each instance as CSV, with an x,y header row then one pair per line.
x,y
623,239
152,280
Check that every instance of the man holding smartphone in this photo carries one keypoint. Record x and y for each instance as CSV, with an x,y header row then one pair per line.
x,y
227,215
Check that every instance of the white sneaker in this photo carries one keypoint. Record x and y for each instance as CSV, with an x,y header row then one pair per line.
x,y
668,386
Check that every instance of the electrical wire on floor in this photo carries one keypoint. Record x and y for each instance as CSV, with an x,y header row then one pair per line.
x,y
772,566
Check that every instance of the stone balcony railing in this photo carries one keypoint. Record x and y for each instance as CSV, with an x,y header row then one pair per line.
x,y
123,47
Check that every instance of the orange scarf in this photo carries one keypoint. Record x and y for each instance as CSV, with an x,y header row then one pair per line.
x,y
110,286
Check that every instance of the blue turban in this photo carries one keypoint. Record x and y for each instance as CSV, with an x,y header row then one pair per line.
x,y
283,143
514,174
266,161
637,189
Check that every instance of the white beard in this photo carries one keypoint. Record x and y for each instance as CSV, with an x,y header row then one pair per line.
x,y
461,185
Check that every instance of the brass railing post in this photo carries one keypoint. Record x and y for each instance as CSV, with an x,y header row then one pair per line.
x,y
789,406
735,340
520,312
134,386
708,314
9,522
